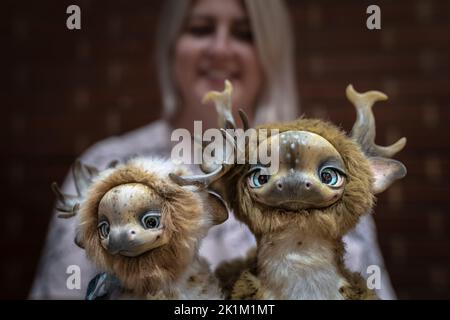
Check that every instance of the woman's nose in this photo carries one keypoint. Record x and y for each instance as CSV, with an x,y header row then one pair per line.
x,y
221,42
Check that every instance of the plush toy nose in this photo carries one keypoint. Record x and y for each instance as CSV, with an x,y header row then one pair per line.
x,y
296,191
294,186
121,240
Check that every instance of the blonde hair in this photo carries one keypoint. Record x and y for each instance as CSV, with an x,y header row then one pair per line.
x,y
275,47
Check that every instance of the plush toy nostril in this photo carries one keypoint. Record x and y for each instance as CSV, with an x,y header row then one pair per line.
x,y
279,186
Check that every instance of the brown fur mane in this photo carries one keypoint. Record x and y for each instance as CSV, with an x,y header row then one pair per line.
x,y
182,216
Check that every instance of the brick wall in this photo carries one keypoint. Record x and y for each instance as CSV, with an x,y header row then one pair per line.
x,y
64,90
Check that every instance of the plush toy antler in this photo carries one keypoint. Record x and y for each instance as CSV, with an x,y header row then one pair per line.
x,y
69,204
364,133
299,214
143,229
364,128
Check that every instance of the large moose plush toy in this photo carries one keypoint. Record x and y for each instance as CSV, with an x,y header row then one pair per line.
x,y
326,180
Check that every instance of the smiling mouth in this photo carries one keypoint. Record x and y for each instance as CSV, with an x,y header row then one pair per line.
x,y
124,252
129,253
218,75
302,205
294,205
137,250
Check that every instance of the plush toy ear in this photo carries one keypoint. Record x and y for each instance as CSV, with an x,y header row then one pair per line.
x,y
217,207
385,171
78,239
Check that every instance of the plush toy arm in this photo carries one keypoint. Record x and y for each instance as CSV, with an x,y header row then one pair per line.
x,y
102,286
229,272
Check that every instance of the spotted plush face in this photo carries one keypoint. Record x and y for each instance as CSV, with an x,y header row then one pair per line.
x,y
311,173
130,220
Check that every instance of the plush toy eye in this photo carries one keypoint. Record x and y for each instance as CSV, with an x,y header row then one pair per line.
x,y
151,220
257,180
103,229
331,177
